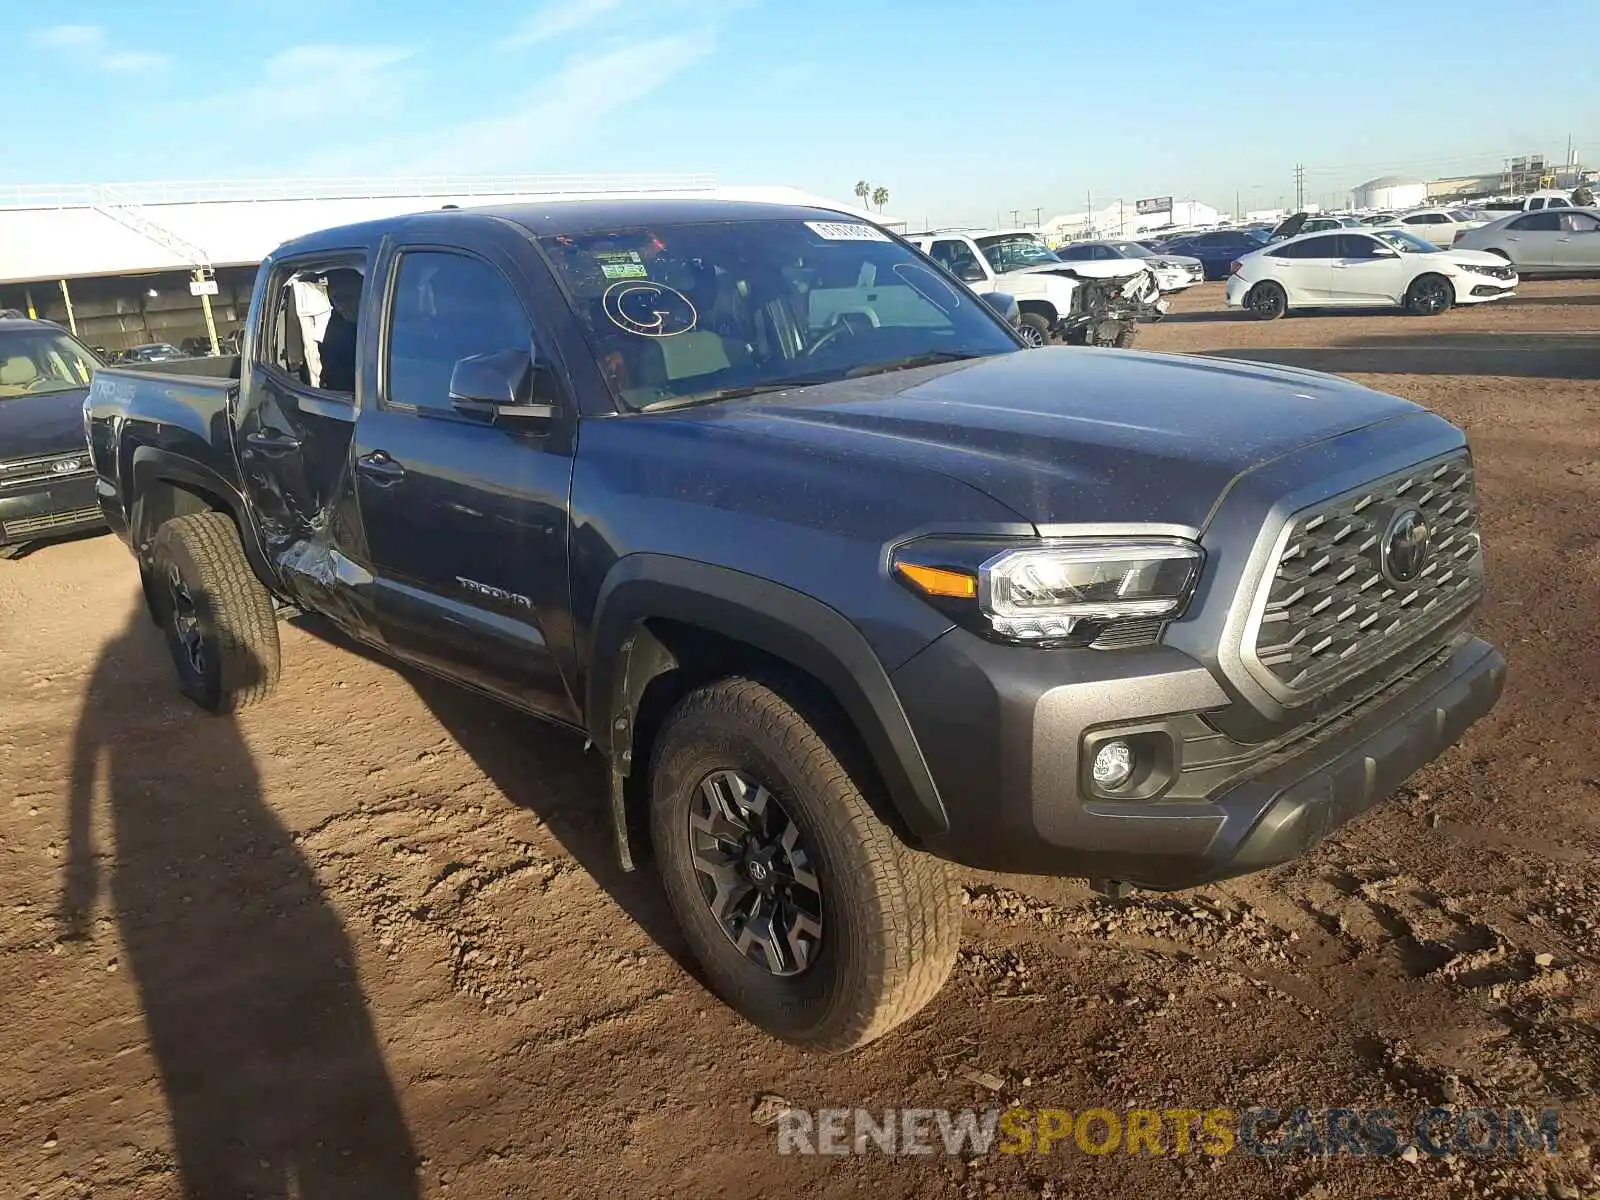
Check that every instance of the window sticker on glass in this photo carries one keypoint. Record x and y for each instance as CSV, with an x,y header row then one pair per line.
x,y
649,309
621,264
846,231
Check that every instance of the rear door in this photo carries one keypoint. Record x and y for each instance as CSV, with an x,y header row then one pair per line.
x,y
293,424
1366,271
1533,239
466,516
1305,268
1577,245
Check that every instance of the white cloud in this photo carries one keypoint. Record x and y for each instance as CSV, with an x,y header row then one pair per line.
x,y
92,46
320,82
587,89
558,18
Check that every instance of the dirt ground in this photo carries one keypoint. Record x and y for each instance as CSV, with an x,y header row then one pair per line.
x,y
368,940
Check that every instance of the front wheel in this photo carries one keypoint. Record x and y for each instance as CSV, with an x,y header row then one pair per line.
x,y
807,913
1035,330
218,619
1429,296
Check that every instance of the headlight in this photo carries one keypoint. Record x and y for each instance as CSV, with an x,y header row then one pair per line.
x,y
1042,594
1052,594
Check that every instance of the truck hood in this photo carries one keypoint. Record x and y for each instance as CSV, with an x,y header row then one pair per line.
x,y
32,426
1069,435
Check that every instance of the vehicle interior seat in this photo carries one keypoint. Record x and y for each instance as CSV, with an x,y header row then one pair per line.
x,y
18,372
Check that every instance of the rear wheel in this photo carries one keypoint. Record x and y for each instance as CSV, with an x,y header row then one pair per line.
x,y
1035,330
1267,301
217,617
808,914
1429,296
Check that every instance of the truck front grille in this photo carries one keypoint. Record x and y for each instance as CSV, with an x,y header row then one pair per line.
x,y
13,531
1339,601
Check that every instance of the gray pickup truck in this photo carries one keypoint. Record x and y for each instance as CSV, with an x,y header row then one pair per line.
x,y
844,583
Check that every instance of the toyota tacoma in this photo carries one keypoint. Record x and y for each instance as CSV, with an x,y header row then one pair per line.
x,y
844,586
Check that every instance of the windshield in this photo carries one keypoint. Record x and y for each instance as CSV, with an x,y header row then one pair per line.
x,y
700,312
1406,243
1013,251
37,360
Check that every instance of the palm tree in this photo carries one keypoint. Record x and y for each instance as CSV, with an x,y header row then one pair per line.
x,y
863,190
880,197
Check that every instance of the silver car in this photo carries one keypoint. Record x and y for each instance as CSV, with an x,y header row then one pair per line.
x,y
1549,241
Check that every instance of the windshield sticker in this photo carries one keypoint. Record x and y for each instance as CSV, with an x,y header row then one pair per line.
x,y
846,231
621,264
649,309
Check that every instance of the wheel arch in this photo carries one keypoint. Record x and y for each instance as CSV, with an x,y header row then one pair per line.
x,y
166,486
665,625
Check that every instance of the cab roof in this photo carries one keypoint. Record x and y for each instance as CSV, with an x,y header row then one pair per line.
x,y
569,218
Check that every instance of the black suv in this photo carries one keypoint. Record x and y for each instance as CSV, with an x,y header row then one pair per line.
x,y
46,479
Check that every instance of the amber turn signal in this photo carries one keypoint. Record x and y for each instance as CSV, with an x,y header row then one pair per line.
x,y
937,581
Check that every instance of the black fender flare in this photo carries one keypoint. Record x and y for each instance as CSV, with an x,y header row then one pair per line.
x,y
153,465
780,622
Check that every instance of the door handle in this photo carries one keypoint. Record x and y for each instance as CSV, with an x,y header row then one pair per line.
x,y
270,441
380,468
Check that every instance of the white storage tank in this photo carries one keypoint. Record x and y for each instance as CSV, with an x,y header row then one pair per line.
x,y
1391,193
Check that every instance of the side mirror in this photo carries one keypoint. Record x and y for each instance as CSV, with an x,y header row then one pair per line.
x,y
1385,252
1006,306
971,274
497,386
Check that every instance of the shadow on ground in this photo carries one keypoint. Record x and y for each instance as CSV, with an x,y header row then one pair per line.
x,y
1522,355
273,1075
544,769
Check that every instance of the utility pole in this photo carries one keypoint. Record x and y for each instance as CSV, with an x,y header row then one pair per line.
x,y
1299,187
1014,218
1038,215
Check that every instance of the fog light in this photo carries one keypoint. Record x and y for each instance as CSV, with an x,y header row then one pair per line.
x,y
1113,765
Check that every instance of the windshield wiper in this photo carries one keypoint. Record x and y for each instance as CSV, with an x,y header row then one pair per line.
x,y
913,360
667,403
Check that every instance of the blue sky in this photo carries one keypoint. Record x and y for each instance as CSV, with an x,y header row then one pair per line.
x,y
959,108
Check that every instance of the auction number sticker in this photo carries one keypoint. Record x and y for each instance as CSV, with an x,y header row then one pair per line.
x,y
846,231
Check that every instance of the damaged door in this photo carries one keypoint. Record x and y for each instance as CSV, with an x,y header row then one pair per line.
x,y
293,425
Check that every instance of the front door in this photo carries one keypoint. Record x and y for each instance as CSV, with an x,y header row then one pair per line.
x,y
293,424
466,521
1367,272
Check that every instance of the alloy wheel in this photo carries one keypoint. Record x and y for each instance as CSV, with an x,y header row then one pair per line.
x,y
756,873
186,621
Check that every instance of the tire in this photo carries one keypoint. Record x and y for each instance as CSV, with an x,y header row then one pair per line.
x,y
1035,330
885,916
1430,296
1267,301
217,617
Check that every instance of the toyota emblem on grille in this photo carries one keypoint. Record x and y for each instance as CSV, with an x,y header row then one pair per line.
x,y
66,465
1404,551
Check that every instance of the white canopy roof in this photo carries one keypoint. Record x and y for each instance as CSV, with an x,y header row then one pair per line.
x,y
78,232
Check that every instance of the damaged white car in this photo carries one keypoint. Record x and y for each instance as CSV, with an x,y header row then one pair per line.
x,y
1095,303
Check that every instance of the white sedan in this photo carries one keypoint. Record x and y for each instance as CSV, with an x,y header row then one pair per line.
x,y
1362,269
1441,226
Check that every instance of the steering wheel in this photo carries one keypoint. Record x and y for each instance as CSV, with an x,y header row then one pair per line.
x,y
33,385
841,325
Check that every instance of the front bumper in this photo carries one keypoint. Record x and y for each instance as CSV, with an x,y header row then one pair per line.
x,y
1004,738
54,508
1473,288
